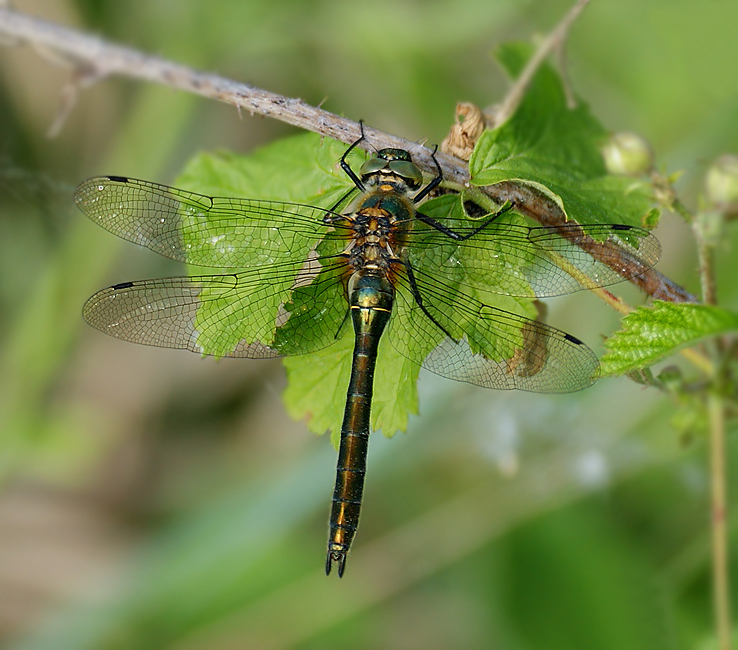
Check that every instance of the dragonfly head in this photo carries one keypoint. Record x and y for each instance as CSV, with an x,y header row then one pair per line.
x,y
392,166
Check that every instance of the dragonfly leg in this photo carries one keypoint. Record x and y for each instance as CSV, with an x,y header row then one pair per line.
x,y
347,168
342,325
419,299
434,183
336,217
456,236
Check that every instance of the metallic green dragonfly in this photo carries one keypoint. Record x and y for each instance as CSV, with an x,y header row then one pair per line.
x,y
382,264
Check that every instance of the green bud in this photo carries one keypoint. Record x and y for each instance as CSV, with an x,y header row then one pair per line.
x,y
627,154
721,184
671,377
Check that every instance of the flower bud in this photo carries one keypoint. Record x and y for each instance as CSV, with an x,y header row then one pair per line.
x,y
627,154
721,184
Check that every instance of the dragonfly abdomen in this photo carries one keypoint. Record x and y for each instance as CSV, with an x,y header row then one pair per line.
x,y
371,296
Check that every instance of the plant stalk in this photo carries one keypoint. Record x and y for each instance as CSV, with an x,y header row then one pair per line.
x,y
718,507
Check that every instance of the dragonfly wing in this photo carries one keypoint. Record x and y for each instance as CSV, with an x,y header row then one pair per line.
x,y
203,230
487,346
516,260
595,256
549,361
235,315
161,313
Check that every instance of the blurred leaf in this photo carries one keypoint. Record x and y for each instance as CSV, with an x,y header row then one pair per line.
x,y
651,333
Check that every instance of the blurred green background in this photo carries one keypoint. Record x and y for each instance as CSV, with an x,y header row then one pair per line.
x,y
152,499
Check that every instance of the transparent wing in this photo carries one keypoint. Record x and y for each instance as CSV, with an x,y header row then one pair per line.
x,y
290,297
235,315
512,259
255,314
203,230
488,346
236,233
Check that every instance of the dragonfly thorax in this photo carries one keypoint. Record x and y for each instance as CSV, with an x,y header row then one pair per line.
x,y
378,226
370,248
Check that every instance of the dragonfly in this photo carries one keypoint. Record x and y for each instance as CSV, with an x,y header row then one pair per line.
x,y
298,274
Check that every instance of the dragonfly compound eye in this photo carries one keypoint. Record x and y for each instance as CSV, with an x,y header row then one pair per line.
x,y
408,171
393,161
372,166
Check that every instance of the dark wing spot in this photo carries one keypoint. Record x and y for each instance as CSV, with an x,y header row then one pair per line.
x,y
573,339
118,179
122,285
621,226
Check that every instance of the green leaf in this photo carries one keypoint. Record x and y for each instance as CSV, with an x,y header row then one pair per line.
x,y
301,168
555,149
318,383
317,390
651,333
